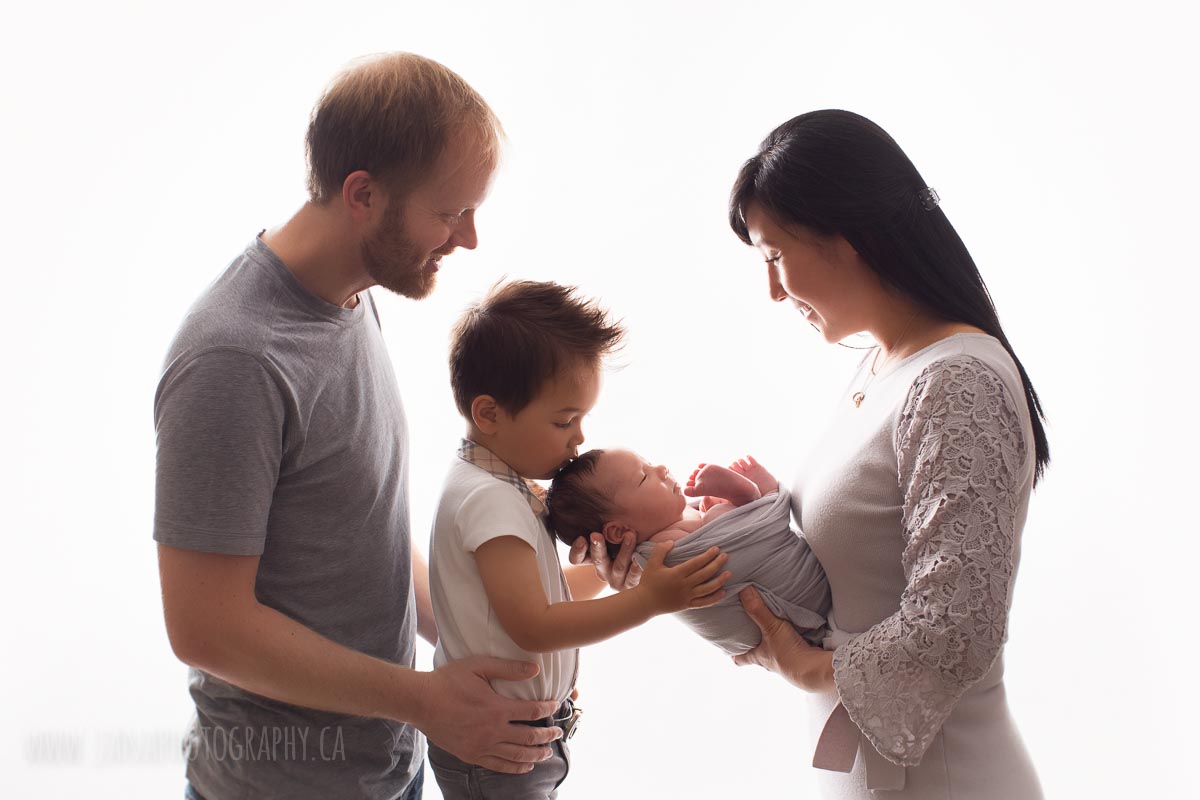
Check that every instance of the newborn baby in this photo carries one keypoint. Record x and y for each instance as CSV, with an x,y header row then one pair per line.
x,y
743,511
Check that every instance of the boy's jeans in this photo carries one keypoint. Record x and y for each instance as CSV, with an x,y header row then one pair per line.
x,y
462,781
413,793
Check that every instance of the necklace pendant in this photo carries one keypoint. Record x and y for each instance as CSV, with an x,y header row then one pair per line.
x,y
858,398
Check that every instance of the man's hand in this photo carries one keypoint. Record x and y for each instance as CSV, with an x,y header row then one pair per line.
x,y
783,650
620,573
463,715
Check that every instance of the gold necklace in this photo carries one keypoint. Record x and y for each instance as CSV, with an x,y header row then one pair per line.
x,y
861,394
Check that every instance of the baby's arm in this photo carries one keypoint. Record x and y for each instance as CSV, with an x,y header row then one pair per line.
x,y
509,571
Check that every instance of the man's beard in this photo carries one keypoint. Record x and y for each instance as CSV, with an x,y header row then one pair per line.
x,y
394,262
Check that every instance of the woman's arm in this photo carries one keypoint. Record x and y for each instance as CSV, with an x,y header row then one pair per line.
x,y
962,462
508,568
960,450
584,582
426,624
620,573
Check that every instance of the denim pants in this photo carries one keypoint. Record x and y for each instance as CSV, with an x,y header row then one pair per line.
x,y
412,793
459,780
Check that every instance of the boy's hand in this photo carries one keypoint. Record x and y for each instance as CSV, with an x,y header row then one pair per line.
x,y
693,584
620,573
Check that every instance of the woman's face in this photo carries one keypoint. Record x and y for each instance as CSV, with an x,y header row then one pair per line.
x,y
823,276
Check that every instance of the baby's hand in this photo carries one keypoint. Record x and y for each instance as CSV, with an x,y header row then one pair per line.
x,y
749,468
690,585
719,482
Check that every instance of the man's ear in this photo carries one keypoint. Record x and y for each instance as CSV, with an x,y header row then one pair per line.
x,y
614,532
362,196
485,413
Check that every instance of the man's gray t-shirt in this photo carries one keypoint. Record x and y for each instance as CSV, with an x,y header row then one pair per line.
x,y
281,434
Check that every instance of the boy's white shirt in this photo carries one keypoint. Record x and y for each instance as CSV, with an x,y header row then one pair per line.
x,y
475,507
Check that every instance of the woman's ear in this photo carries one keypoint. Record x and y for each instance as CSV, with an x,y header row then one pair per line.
x,y
843,250
614,532
485,413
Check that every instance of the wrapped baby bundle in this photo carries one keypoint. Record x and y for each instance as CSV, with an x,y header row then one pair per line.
x,y
764,552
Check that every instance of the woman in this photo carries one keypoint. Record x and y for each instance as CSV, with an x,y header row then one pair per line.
x,y
915,501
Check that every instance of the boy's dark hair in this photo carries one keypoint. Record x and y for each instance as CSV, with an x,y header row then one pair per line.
x,y
520,335
576,506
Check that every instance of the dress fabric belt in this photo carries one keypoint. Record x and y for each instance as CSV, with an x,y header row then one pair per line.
x,y
839,745
841,741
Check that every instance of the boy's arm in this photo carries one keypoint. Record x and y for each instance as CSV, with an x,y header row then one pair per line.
x,y
216,624
509,571
584,582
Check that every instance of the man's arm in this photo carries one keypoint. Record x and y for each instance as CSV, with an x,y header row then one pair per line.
x,y
216,624
426,624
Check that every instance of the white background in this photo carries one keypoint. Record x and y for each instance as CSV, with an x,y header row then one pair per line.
x,y
144,144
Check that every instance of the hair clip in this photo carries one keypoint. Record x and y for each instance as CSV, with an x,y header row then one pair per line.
x,y
929,198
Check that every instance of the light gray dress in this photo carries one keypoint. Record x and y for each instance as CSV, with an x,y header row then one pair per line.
x,y
914,505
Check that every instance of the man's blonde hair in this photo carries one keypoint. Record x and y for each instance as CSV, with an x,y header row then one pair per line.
x,y
392,115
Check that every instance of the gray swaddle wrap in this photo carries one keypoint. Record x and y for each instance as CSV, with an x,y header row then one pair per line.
x,y
763,552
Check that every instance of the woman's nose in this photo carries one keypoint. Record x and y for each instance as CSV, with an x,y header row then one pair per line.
x,y
776,288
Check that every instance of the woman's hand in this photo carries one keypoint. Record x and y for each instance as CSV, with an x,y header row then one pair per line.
x,y
620,573
783,650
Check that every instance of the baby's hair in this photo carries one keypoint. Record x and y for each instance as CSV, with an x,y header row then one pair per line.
x,y
519,336
576,505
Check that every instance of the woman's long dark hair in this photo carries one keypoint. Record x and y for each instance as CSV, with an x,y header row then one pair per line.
x,y
835,172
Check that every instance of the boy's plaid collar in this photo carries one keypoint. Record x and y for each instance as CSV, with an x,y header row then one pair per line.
x,y
480,456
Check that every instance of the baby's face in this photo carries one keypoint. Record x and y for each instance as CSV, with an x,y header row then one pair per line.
x,y
645,497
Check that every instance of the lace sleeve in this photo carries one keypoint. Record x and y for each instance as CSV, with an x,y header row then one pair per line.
x,y
960,452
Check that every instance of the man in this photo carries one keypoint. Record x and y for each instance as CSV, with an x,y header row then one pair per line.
x,y
282,515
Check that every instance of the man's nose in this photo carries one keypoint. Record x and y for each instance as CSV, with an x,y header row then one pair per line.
x,y
464,235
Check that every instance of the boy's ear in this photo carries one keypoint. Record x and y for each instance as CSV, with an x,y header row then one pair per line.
x,y
614,532
485,413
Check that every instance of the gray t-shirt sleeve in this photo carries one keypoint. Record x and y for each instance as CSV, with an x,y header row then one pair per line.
x,y
219,420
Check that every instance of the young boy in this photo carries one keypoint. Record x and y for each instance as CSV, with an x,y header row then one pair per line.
x,y
525,370
743,512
